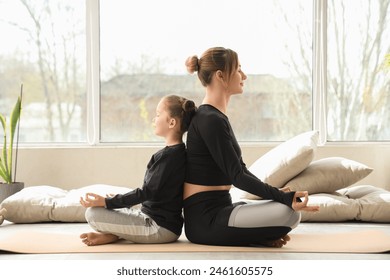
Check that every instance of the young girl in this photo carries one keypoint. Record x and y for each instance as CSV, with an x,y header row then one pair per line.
x,y
160,218
214,163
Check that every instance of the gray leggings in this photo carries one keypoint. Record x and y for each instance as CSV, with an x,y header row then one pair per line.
x,y
129,224
211,218
263,213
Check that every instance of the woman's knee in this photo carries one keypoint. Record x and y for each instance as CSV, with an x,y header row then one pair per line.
x,y
289,217
295,219
264,214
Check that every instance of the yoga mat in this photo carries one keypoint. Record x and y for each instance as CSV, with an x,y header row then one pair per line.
x,y
41,242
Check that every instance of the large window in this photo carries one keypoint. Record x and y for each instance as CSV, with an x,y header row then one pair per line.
x,y
358,97
43,48
144,44
93,71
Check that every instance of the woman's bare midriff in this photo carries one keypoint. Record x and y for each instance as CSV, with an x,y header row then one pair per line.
x,y
191,189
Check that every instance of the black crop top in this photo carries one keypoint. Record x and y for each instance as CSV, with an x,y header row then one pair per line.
x,y
162,192
214,157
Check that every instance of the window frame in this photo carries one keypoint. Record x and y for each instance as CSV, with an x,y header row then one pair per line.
x,y
93,92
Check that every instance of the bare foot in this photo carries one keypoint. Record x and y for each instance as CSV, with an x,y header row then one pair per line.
x,y
278,243
98,238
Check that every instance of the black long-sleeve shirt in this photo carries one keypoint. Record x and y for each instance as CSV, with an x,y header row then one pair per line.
x,y
162,192
214,157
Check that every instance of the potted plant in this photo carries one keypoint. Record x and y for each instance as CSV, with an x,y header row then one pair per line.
x,y
10,186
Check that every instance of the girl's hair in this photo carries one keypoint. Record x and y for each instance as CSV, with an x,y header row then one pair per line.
x,y
212,60
182,109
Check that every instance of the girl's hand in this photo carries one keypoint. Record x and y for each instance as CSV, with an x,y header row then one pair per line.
x,y
93,200
302,206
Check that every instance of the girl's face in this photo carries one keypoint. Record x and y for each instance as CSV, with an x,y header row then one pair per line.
x,y
236,83
162,120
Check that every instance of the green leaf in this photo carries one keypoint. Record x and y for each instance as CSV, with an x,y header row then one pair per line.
x,y
7,153
3,122
3,162
3,173
15,115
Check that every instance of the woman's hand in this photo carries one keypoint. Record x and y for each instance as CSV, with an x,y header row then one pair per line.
x,y
286,189
93,200
298,205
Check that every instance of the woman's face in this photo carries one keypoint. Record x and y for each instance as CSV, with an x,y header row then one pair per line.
x,y
236,83
162,119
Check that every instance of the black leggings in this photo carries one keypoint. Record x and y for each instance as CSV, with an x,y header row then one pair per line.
x,y
211,218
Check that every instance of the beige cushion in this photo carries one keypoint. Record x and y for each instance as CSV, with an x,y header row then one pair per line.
x,y
361,203
47,203
374,202
328,175
285,161
333,208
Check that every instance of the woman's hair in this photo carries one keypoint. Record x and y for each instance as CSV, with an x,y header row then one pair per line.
x,y
182,109
212,60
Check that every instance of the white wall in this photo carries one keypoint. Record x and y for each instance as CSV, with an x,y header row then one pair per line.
x,y
75,167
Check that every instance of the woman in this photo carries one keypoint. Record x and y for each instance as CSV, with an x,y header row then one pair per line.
x,y
214,163
160,218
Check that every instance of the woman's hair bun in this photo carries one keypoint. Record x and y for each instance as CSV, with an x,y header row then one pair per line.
x,y
192,64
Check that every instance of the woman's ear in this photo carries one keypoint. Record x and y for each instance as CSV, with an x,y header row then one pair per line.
x,y
219,75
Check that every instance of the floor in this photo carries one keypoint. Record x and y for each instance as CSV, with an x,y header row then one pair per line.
x,y
8,228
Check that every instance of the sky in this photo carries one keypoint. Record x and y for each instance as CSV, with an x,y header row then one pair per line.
x,y
177,29
172,30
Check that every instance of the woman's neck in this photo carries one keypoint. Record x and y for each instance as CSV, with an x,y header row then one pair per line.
x,y
217,98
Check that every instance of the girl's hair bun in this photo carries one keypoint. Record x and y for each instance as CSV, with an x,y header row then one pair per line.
x,y
189,110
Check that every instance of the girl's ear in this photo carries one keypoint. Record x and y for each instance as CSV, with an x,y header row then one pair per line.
x,y
172,123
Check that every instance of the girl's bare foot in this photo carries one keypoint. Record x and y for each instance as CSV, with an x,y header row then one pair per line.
x,y
278,243
98,238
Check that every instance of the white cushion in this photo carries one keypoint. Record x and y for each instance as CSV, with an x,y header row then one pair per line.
x,y
285,161
328,175
47,203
